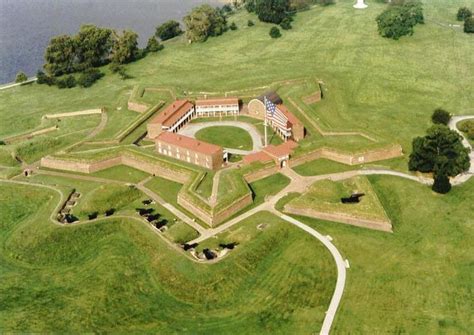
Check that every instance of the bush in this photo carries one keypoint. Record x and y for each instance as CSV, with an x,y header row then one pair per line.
x,y
233,26
250,5
441,183
440,116
469,25
250,23
398,21
21,77
463,13
89,77
275,32
168,30
286,24
153,45
43,78
66,82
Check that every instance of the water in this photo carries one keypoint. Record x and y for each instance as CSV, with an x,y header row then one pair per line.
x,y
26,26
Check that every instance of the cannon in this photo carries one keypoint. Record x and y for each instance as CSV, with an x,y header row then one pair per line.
x,y
353,199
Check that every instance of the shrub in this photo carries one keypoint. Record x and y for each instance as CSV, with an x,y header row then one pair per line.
x,y
66,82
250,5
463,13
250,23
233,26
275,32
168,30
441,183
153,45
114,67
469,25
45,79
286,24
89,77
440,116
21,77
398,21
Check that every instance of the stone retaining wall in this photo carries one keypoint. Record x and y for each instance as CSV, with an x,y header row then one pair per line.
x,y
260,174
137,107
349,159
382,225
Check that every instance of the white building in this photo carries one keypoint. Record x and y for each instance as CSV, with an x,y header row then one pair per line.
x,y
217,107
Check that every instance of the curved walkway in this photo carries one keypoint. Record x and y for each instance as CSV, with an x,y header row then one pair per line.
x,y
453,124
192,128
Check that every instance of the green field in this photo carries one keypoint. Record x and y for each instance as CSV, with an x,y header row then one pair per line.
x,y
227,137
126,279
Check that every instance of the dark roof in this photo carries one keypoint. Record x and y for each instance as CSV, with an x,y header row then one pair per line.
x,y
272,96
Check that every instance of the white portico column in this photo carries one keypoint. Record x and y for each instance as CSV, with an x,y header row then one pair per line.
x,y
360,4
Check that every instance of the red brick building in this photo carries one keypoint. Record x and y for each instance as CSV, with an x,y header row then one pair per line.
x,y
190,150
174,117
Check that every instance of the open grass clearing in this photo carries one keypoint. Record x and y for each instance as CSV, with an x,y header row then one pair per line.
x,y
421,275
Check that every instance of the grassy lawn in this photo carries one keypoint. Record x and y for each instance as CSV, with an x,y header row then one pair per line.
x,y
226,136
421,276
118,276
268,186
322,166
122,173
325,196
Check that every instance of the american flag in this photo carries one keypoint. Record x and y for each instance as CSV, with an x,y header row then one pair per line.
x,y
270,107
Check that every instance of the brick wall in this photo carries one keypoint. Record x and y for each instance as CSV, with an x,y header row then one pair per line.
x,y
260,174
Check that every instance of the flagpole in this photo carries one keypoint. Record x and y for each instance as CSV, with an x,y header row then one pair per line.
x,y
265,126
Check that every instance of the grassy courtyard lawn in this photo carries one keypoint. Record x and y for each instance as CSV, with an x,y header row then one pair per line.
x,y
118,276
418,280
226,136
122,173
268,186
325,196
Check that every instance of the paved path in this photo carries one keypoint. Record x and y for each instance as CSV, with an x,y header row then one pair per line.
x,y
7,86
341,271
453,125
192,128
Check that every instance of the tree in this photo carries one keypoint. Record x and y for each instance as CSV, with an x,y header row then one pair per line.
x,y
275,32
125,47
463,13
66,82
440,116
21,77
398,21
233,26
60,55
153,45
272,11
204,21
168,30
250,5
93,46
441,183
469,25
250,23
440,150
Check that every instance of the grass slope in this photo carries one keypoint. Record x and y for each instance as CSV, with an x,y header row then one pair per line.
x,y
118,276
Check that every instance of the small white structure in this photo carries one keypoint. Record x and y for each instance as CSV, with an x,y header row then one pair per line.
x,y
360,4
217,107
